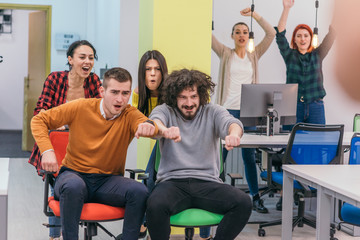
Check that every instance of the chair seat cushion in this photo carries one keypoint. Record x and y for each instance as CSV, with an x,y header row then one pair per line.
x,y
92,211
195,217
277,177
350,214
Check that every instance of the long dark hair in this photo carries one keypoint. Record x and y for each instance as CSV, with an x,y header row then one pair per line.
x,y
144,92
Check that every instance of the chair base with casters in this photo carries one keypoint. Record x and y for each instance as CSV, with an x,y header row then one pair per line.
x,y
349,214
194,217
308,144
298,220
276,162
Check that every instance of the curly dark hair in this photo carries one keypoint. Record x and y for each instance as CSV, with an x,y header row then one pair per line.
x,y
182,79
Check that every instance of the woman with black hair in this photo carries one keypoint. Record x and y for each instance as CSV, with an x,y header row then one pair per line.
x,y
65,86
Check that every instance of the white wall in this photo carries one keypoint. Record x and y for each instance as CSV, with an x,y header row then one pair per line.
x,y
13,69
129,56
338,107
91,20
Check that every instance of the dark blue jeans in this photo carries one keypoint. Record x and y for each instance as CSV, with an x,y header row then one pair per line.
x,y
248,155
313,112
173,196
54,232
150,169
73,189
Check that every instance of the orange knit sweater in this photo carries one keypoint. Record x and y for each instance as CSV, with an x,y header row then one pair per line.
x,y
96,145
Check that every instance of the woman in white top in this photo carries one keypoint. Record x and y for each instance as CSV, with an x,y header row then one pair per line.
x,y
238,66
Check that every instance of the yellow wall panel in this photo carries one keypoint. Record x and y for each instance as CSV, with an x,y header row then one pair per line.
x,y
182,32
146,11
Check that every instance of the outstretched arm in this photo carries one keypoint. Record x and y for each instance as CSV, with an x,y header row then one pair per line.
x,y
287,4
145,129
169,133
233,139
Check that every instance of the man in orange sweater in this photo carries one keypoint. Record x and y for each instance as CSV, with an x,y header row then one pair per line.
x,y
100,131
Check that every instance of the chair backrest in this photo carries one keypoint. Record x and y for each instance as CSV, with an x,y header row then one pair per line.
x,y
59,140
355,149
314,144
356,125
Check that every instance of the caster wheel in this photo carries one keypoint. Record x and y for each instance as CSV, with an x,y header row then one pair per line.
x,y
261,232
338,227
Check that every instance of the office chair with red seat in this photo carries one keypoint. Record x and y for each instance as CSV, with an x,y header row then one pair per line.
x,y
92,213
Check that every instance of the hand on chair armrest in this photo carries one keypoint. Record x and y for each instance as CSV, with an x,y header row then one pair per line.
x,y
49,162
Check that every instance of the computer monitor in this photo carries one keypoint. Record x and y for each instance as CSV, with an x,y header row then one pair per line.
x,y
261,103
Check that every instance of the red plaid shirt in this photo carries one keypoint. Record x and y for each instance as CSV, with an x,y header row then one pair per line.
x,y
54,94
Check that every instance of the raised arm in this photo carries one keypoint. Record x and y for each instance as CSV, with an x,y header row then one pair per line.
x,y
287,4
327,43
247,12
217,46
268,29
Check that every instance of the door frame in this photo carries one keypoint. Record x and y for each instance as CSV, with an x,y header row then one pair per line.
x,y
26,145
47,10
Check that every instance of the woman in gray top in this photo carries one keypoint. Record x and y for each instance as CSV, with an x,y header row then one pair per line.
x,y
239,66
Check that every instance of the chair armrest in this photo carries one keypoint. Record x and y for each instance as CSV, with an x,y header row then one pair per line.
x,y
233,177
48,180
134,171
143,176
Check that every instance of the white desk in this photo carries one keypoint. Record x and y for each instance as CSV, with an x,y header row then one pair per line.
x,y
4,184
278,141
331,181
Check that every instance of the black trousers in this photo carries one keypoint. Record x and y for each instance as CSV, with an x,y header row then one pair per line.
x,y
173,196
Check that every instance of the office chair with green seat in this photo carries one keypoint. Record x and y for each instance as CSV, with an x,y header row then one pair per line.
x,y
348,213
308,144
194,217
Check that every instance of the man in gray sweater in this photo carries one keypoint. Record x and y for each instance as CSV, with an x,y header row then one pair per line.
x,y
189,170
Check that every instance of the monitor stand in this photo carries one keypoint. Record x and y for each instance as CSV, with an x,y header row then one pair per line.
x,y
272,117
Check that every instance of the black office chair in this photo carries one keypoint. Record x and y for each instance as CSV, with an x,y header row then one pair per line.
x,y
308,144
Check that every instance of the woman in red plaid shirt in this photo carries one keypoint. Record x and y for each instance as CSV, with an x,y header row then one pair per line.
x,y
64,86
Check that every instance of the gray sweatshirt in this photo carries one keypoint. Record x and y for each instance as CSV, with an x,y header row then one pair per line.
x,y
198,153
